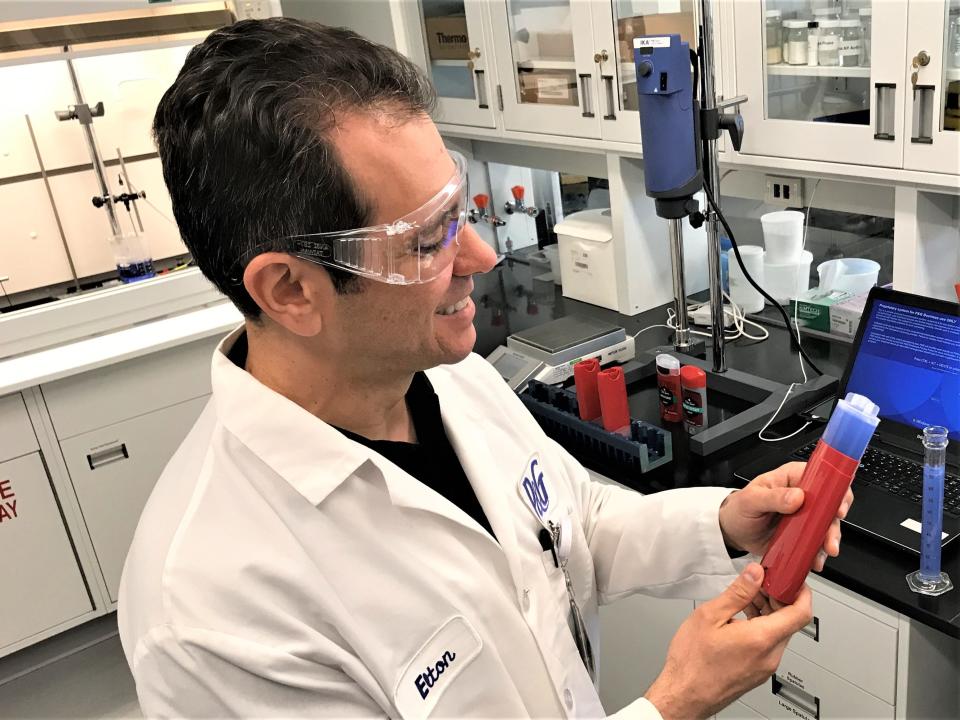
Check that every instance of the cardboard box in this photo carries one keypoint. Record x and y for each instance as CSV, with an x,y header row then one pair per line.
x,y
548,87
681,24
845,315
814,308
555,46
447,37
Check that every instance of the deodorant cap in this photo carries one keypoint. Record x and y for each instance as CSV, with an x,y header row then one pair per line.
x,y
851,425
693,377
667,364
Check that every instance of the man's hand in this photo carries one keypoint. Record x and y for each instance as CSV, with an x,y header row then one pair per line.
x,y
748,517
713,659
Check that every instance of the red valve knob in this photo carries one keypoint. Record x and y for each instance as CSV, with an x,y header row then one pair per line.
x,y
481,201
517,191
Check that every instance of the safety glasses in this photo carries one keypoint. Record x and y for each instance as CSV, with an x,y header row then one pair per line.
x,y
413,249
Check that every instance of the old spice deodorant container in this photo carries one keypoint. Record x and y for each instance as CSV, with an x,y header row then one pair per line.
x,y
829,473
668,385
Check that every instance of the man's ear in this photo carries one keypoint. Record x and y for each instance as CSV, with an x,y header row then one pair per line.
x,y
291,292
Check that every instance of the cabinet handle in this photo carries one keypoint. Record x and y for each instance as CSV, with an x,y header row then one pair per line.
x,y
601,57
812,630
922,114
106,455
611,97
481,89
795,697
585,102
886,100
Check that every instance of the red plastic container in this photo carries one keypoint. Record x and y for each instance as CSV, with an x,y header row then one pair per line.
x,y
825,480
585,377
613,399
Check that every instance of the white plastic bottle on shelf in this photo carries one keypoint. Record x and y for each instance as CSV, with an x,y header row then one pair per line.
x,y
813,43
953,41
849,54
866,24
829,46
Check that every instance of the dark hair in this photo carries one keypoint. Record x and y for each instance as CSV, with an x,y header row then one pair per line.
x,y
242,135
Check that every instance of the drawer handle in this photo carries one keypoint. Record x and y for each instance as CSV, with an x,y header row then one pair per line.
x,y
107,455
812,630
793,696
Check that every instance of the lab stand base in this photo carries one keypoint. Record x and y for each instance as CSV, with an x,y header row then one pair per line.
x,y
761,397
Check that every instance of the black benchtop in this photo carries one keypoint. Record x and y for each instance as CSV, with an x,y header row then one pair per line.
x,y
512,299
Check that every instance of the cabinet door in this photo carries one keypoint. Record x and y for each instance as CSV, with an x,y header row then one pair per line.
x,y
31,250
933,111
616,23
458,59
130,86
42,583
545,61
849,114
113,471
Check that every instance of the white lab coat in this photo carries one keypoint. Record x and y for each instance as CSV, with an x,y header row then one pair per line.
x,y
282,570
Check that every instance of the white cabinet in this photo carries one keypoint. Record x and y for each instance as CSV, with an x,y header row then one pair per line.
x,y
545,62
114,469
43,586
31,249
130,85
458,57
933,111
851,114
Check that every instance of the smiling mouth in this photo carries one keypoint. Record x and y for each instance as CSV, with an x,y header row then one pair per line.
x,y
455,308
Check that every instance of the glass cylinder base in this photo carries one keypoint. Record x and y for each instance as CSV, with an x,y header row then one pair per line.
x,y
925,586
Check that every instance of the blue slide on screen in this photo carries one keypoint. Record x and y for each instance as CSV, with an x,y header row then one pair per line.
x,y
909,365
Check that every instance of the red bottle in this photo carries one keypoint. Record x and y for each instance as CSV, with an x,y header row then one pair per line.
x,y
613,399
668,384
825,480
585,378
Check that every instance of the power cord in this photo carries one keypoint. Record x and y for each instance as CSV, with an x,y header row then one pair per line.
x,y
740,321
746,274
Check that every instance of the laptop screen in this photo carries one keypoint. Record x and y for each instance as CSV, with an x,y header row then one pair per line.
x,y
908,363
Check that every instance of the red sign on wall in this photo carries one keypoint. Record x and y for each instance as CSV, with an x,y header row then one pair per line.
x,y
8,501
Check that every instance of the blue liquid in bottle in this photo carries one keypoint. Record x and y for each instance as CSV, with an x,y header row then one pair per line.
x,y
131,272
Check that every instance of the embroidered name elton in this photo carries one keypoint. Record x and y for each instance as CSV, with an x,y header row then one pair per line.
x,y
428,678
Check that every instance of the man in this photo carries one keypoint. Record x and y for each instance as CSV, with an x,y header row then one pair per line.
x,y
365,521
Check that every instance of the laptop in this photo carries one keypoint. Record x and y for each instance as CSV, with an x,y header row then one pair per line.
x,y
906,358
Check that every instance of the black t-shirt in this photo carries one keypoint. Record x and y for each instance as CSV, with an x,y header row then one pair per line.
x,y
431,460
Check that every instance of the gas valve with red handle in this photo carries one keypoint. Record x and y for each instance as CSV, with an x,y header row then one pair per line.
x,y
480,214
518,205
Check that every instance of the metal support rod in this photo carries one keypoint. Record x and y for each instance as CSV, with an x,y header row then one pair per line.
x,y
682,339
53,204
130,189
711,178
96,158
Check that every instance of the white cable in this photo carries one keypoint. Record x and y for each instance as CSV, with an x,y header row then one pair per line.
x,y
651,327
773,417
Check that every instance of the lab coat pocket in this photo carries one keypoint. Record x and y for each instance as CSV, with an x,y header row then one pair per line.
x,y
435,666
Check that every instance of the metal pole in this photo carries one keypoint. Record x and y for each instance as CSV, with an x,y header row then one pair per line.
x,y
130,189
682,339
711,178
98,168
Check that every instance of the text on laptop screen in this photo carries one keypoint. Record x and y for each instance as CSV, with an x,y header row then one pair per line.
x,y
909,365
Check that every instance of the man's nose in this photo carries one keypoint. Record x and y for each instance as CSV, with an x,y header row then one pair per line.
x,y
474,256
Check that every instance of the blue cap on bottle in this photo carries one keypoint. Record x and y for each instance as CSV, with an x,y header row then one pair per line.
x,y
851,425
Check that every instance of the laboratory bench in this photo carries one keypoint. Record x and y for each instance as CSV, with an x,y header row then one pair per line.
x,y
867,567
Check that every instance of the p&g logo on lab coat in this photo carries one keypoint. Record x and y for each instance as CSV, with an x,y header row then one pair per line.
x,y
535,488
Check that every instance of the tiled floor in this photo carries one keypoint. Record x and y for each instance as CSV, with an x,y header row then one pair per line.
x,y
91,683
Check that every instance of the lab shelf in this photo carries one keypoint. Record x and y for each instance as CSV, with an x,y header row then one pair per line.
x,y
547,64
818,71
953,74
450,63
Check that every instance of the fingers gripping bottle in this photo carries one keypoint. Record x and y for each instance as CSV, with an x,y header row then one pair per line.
x,y
828,474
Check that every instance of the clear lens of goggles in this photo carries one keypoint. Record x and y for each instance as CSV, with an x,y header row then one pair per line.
x,y
414,249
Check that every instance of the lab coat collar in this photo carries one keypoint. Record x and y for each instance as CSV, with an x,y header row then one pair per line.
x,y
281,433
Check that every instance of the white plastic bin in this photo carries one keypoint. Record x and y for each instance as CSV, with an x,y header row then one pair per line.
x,y
586,257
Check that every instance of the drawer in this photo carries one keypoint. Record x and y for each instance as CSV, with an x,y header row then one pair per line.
x,y
738,711
42,583
846,641
119,392
16,431
801,689
114,469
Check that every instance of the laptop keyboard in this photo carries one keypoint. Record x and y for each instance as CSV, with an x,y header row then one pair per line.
x,y
893,474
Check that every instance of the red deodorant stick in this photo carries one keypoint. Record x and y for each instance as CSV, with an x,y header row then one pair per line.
x,y
613,399
585,379
829,473
668,382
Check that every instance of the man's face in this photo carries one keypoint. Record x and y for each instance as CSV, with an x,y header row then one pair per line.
x,y
397,167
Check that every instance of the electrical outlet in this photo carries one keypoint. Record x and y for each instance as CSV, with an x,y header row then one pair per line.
x,y
783,191
252,9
